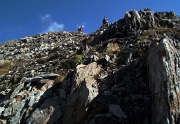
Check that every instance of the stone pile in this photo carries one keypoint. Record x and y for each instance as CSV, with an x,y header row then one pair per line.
x,y
35,55
27,103
69,77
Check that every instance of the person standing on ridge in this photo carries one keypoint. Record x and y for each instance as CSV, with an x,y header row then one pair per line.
x,y
105,22
80,28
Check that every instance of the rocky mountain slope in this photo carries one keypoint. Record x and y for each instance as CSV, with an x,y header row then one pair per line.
x,y
110,76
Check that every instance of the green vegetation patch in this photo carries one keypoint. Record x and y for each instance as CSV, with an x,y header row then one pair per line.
x,y
121,59
146,34
3,71
141,38
71,62
4,67
5,64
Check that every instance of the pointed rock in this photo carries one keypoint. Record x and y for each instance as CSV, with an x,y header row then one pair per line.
x,y
82,93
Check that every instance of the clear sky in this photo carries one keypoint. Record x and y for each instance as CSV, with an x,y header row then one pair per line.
x,y
21,18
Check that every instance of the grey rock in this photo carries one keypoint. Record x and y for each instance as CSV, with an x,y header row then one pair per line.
x,y
107,93
48,113
135,97
17,90
113,60
107,58
8,111
94,85
3,121
56,47
128,58
94,58
178,72
128,50
103,76
31,101
14,109
34,79
81,88
163,63
109,115
100,115
116,88
101,99
1,110
63,106
117,111
62,93
50,75
18,113
104,87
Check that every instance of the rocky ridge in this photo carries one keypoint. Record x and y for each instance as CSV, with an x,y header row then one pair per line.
x,y
71,77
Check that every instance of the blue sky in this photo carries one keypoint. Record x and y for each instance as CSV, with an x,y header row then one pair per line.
x,y
21,18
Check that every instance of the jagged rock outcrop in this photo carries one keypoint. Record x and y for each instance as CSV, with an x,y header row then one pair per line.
x,y
19,103
102,77
136,21
164,78
84,90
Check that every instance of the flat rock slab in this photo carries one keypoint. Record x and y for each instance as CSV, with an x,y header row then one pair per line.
x,y
34,79
51,75
117,111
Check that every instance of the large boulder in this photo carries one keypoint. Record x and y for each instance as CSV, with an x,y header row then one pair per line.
x,y
48,113
84,90
164,82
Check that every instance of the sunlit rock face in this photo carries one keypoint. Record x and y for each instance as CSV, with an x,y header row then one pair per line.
x,y
107,76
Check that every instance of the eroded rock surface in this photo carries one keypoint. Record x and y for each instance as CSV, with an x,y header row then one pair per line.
x,y
164,82
84,90
101,77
